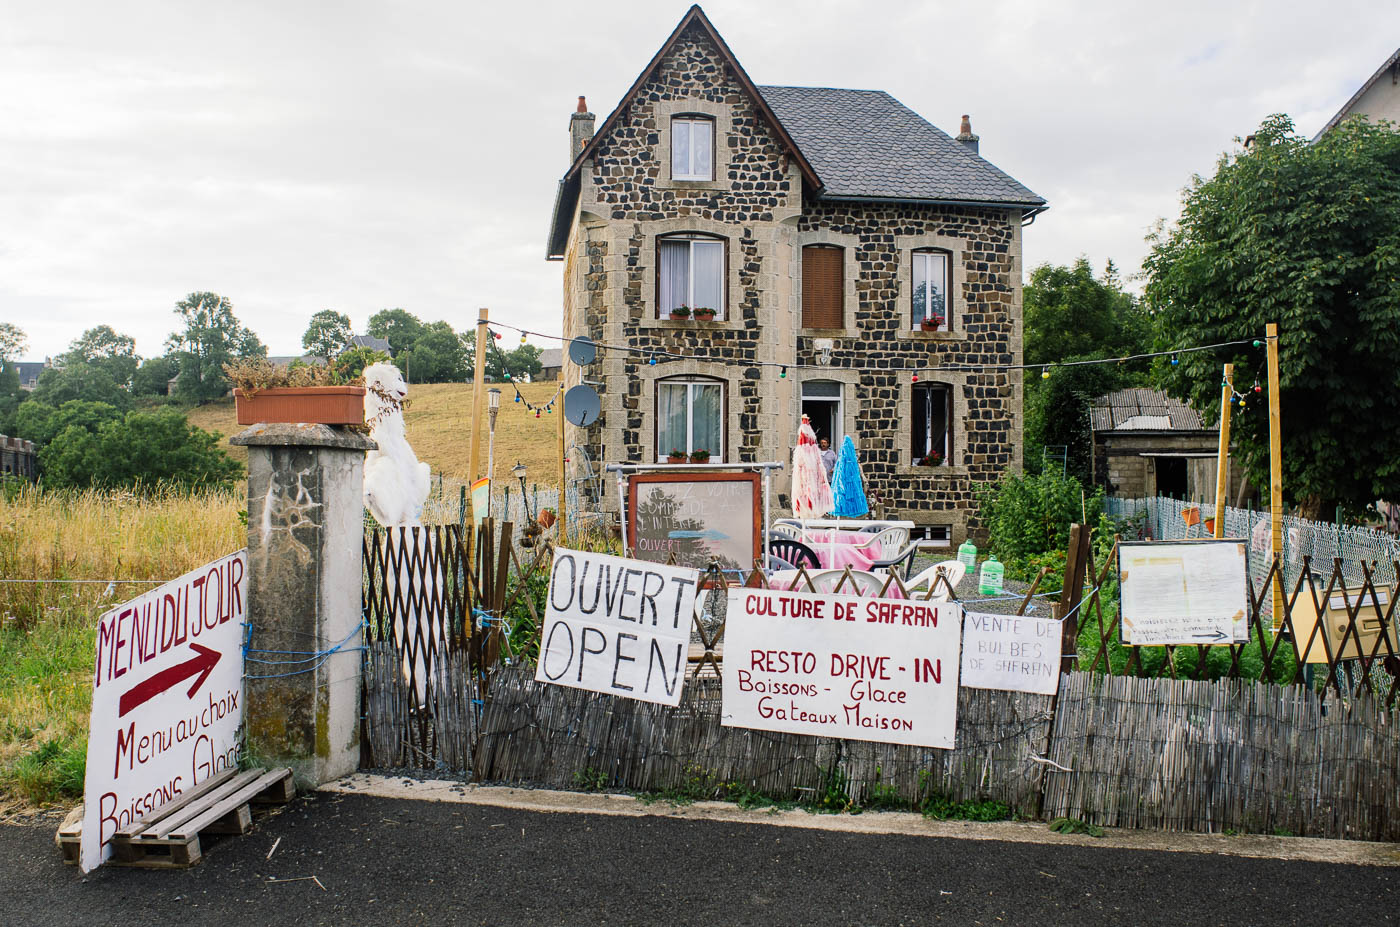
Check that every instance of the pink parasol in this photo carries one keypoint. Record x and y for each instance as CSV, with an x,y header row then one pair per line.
x,y
811,494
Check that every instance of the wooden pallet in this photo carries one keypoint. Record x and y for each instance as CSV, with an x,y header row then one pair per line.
x,y
170,838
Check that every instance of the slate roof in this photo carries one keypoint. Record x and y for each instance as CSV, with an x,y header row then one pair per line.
x,y
1143,410
865,143
367,341
552,357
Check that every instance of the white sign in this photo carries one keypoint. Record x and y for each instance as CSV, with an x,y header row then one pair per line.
x,y
617,626
842,666
167,698
1012,652
1194,592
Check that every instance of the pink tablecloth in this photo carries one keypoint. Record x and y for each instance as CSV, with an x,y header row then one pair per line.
x,y
837,550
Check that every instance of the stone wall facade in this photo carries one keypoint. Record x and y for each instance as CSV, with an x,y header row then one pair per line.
x,y
757,205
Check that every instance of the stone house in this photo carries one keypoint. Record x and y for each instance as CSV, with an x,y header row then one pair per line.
x,y
1146,443
551,363
863,266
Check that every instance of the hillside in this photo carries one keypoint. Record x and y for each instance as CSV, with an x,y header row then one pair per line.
x,y
439,428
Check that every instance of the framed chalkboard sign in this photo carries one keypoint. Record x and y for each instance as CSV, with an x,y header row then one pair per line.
x,y
699,517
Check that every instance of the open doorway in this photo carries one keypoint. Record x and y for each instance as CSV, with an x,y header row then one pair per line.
x,y
1171,476
821,402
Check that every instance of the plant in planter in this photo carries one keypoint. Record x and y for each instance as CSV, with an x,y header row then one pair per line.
x,y
676,456
529,534
700,455
931,459
932,323
681,312
705,314
547,518
267,392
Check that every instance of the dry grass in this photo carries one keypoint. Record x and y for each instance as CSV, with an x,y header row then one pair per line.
x,y
439,421
46,628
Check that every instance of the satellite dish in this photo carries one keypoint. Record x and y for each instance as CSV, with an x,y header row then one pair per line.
x,y
581,405
582,350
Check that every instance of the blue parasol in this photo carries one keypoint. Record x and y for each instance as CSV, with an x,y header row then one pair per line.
x,y
846,485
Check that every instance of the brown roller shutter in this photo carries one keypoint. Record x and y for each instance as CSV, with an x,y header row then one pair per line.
x,y
823,287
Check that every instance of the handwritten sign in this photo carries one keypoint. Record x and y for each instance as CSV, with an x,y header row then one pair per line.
x,y
1011,652
842,666
167,698
1188,592
697,517
617,626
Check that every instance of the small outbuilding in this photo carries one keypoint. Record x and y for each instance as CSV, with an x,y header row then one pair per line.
x,y
1146,443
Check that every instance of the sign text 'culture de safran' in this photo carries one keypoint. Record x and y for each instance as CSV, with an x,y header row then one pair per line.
x,y
617,626
842,666
167,698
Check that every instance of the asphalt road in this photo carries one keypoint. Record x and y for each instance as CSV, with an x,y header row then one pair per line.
x,y
386,862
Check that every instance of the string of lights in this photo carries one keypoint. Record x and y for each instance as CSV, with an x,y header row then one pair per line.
x,y
513,380
654,355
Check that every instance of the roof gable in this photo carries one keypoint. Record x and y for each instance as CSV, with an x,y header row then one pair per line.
x,y
1391,64
1140,409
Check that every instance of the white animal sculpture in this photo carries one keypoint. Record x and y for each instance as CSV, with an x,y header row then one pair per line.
x,y
396,482
396,487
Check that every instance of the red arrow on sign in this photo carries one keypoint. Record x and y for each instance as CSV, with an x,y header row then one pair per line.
x,y
202,664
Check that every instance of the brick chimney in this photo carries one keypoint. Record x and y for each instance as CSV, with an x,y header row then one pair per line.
x,y
964,134
580,129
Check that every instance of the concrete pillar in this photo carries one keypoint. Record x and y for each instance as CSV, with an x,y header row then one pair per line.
x,y
305,531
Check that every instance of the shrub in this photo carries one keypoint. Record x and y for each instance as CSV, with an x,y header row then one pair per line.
x,y
1028,515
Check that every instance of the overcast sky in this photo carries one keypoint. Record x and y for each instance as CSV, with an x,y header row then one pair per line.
x,y
295,156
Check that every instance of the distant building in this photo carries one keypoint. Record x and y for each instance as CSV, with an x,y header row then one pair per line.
x,y
551,363
286,360
17,459
1146,443
1377,99
367,341
30,371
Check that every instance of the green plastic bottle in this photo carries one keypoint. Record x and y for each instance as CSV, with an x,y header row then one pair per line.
x,y
989,582
967,555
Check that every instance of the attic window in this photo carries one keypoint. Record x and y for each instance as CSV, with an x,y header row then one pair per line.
x,y
692,148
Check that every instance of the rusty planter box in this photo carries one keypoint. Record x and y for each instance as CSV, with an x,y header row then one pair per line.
x,y
323,405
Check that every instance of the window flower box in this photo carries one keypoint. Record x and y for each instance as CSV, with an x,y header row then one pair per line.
x,y
677,456
932,324
930,460
705,314
680,313
322,405
700,456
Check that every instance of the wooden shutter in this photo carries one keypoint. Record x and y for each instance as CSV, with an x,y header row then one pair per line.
x,y
823,287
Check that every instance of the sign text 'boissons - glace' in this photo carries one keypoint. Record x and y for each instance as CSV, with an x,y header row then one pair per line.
x,y
617,626
167,698
842,666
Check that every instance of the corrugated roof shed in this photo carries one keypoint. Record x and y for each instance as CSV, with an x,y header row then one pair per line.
x,y
1140,409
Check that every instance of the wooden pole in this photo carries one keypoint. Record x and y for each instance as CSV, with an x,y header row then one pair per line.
x,y
563,514
478,399
1071,594
1275,470
1222,460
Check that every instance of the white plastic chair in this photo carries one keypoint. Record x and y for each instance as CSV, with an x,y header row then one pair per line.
x,y
952,570
887,543
786,530
859,582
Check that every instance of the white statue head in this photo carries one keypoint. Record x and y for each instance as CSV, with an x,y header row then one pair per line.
x,y
385,391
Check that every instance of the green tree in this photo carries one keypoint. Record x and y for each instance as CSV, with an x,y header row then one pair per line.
x,y
435,357
140,449
103,348
1071,315
350,364
58,385
524,359
400,327
211,337
41,422
153,377
13,341
1307,236
326,334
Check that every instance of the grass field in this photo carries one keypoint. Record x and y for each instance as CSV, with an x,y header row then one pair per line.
x,y
439,420
46,627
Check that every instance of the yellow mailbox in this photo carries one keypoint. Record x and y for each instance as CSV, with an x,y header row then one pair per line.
x,y
1334,625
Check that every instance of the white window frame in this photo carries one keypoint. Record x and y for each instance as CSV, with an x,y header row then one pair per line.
x,y
839,399
925,258
662,310
690,383
692,121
